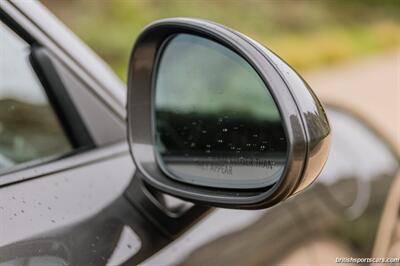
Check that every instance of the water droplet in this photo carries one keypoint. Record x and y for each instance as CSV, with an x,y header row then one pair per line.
x,y
53,221
49,208
22,211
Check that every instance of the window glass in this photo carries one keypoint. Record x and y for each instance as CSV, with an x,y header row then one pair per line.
x,y
29,128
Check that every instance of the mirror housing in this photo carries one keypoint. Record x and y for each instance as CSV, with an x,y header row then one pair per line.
x,y
306,127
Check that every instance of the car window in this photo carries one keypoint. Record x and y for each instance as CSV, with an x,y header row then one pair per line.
x,y
29,128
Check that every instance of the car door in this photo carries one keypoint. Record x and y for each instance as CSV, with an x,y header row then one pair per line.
x,y
68,208
63,162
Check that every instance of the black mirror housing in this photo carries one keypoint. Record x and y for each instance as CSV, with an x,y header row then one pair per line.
x,y
306,127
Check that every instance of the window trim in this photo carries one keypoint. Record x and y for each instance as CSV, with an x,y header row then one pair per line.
x,y
50,165
40,70
19,24
59,99
16,17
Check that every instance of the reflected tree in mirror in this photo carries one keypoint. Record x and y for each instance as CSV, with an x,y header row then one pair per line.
x,y
216,123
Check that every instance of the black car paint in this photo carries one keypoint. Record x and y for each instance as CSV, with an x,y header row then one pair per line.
x,y
73,210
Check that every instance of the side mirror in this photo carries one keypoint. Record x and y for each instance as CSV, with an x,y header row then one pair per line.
x,y
218,119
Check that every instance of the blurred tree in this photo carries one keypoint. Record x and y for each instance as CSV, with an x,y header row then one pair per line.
x,y
305,33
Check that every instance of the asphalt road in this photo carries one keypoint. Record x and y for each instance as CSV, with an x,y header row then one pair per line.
x,y
369,86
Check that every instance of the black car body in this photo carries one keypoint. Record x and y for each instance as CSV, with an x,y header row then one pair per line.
x,y
72,208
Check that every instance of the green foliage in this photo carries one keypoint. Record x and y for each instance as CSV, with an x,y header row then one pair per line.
x,y
305,33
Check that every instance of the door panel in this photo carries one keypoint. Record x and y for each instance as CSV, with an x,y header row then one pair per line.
x,y
78,216
33,210
48,203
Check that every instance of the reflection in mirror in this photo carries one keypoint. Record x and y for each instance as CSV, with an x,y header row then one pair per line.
x,y
216,123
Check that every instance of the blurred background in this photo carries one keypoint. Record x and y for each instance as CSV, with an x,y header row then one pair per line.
x,y
307,34
335,44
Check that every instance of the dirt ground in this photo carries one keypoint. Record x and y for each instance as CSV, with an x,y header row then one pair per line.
x,y
368,86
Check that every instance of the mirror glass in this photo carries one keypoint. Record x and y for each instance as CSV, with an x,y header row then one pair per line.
x,y
216,124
